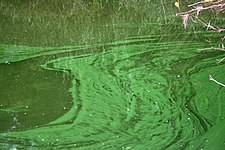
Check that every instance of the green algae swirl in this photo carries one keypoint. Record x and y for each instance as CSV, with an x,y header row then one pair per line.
x,y
139,93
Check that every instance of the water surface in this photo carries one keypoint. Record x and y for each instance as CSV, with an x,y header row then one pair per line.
x,y
117,86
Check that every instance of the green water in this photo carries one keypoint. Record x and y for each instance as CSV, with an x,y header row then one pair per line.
x,y
134,93
117,86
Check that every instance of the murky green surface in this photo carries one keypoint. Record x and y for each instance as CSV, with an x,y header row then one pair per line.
x,y
137,86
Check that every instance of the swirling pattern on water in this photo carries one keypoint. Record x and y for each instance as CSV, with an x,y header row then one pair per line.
x,y
133,94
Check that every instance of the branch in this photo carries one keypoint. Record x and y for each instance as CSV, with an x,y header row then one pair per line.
x,y
201,8
217,82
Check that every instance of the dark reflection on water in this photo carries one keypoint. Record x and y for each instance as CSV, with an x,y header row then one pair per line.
x,y
29,92
58,23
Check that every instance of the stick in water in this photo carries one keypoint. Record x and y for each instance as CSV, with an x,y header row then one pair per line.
x,y
217,82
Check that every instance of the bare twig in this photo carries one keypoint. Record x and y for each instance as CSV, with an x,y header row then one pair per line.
x,y
193,15
217,82
200,6
202,9
220,60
